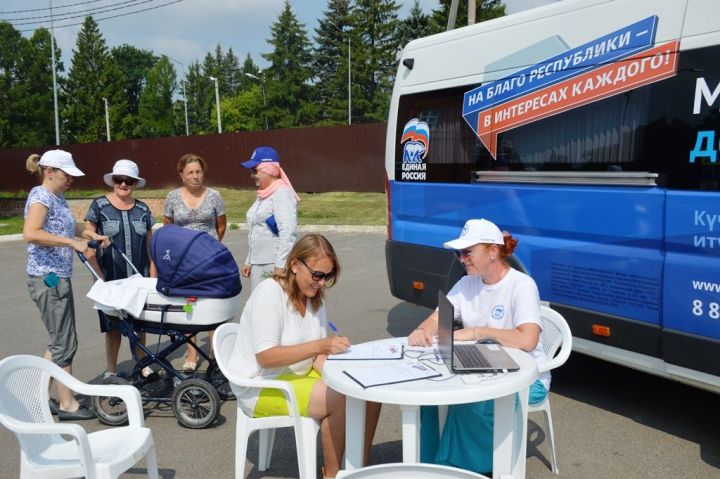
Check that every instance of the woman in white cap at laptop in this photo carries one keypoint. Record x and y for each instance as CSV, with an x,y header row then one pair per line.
x,y
50,231
272,219
121,219
494,302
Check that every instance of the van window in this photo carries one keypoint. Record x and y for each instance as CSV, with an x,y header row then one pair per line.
x,y
649,129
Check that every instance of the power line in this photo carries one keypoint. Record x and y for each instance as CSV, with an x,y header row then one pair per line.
x,y
54,7
82,13
108,17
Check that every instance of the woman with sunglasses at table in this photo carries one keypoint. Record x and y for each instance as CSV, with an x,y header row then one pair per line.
x,y
272,218
494,302
284,337
127,222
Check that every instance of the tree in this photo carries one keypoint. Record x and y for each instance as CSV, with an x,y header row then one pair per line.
x,y
243,112
374,63
134,64
484,10
11,44
330,62
34,100
155,115
93,76
200,97
416,25
250,67
287,88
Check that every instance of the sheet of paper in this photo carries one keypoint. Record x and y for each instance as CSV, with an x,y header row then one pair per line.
x,y
391,373
371,351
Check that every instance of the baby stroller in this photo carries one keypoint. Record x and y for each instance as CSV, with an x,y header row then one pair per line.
x,y
197,289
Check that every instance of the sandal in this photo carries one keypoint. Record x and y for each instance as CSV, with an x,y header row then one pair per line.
x,y
189,367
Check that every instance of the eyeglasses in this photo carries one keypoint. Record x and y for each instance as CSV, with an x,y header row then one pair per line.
x,y
319,275
119,180
464,253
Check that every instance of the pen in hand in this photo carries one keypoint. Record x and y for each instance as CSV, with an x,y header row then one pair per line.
x,y
334,328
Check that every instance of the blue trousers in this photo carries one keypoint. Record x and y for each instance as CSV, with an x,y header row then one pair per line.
x,y
467,438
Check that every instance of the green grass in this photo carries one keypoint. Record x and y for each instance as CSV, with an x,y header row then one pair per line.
x,y
314,208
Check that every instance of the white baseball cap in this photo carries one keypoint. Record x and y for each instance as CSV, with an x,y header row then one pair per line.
x,y
62,160
124,168
475,232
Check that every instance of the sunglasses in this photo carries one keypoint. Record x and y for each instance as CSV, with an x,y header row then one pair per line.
x,y
119,180
464,253
318,275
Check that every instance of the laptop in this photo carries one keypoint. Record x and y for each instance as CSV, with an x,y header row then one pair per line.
x,y
468,358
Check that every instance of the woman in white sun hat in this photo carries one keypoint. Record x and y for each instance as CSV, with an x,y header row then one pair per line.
x,y
126,222
494,302
50,231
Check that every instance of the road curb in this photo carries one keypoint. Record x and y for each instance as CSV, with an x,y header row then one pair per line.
x,y
365,229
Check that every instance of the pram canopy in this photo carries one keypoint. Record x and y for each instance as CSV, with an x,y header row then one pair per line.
x,y
193,263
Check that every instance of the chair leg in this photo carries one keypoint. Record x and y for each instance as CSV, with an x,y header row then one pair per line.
x,y
306,446
551,437
241,440
267,439
151,463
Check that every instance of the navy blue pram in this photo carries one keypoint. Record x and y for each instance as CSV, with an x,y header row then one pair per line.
x,y
198,288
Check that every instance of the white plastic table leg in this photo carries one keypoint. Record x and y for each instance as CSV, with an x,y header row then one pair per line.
x,y
410,433
354,432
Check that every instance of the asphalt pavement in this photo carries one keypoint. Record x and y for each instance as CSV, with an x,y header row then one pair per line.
x,y
609,421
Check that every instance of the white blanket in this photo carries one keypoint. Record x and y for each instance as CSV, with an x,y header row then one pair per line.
x,y
129,294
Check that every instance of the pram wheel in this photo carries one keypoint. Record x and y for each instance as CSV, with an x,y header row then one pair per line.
x,y
111,410
214,376
196,403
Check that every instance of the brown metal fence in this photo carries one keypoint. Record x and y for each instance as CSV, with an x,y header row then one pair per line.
x,y
337,158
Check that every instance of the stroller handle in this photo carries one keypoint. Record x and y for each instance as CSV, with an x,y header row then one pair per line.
x,y
95,244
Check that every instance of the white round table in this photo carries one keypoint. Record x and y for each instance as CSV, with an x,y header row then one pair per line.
x,y
510,431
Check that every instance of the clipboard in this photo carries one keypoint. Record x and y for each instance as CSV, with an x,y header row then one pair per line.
x,y
370,352
391,374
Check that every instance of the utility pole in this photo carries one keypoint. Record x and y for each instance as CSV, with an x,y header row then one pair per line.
x,y
217,103
54,76
107,119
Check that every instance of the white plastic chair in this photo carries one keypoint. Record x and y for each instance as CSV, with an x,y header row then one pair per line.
x,y
44,453
412,470
557,344
306,429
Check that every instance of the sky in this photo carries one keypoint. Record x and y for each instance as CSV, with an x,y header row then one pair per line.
x,y
185,30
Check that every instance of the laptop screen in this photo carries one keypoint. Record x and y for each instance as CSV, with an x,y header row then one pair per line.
x,y
446,315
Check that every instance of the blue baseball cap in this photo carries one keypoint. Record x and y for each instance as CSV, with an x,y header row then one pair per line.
x,y
262,154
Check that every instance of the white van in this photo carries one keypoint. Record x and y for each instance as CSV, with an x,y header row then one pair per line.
x,y
588,129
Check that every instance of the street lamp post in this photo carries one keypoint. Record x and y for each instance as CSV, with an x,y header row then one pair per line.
x,y
262,85
184,85
349,70
217,103
54,76
107,119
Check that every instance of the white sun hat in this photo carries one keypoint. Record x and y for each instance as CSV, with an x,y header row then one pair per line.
x,y
61,160
475,232
124,168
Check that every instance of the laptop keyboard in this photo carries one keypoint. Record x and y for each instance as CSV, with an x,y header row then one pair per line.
x,y
470,357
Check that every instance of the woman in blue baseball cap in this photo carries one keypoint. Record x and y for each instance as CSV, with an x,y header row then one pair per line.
x,y
272,219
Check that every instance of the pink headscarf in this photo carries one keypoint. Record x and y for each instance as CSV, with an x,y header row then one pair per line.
x,y
274,169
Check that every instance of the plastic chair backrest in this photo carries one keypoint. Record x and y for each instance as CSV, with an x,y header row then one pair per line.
x,y
556,339
415,471
24,397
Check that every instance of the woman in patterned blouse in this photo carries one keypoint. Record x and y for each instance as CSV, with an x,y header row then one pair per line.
x,y
121,219
50,230
196,207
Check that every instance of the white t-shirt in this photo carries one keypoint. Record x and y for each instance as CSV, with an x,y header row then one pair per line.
x,y
269,320
507,304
